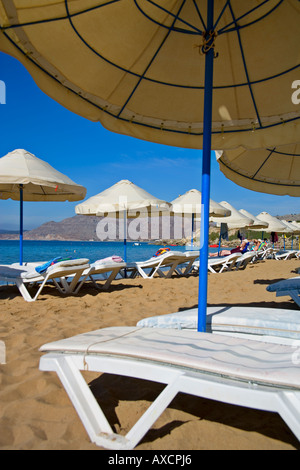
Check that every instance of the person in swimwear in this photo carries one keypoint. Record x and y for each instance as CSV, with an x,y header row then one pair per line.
x,y
242,248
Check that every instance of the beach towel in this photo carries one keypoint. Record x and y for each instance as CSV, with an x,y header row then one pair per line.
x,y
116,259
43,267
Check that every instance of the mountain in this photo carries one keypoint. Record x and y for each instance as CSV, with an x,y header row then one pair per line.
x,y
85,228
88,228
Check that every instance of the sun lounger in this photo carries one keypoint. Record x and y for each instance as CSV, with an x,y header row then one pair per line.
x,y
270,325
219,264
188,259
223,263
245,259
108,270
164,265
222,368
58,274
284,255
267,253
287,287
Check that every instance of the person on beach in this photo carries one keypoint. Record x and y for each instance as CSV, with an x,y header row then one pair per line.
x,y
242,248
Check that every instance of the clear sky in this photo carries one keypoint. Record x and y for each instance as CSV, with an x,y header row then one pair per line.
x,y
96,158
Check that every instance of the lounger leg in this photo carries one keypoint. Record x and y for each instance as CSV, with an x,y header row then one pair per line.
x,y
23,290
294,295
90,413
108,281
80,395
289,410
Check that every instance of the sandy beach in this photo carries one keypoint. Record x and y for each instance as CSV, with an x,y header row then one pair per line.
x,y
35,412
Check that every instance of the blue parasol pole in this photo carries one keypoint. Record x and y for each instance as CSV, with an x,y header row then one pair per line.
x,y
192,238
21,224
125,239
207,120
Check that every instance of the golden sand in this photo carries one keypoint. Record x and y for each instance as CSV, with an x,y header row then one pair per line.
x,y
35,412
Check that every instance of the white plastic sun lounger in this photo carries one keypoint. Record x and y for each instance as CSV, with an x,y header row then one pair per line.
x,y
287,287
188,259
284,255
270,325
231,370
223,263
101,269
57,273
171,260
245,259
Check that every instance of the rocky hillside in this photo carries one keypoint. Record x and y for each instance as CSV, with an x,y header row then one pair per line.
x,y
84,228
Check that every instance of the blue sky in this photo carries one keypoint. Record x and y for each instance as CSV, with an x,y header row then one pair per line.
x,y
96,158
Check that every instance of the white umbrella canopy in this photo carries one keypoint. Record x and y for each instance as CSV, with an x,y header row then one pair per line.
x,y
123,199
257,224
274,170
235,219
274,224
41,182
189,204
120,197
134,66
296,225
293,227
24,177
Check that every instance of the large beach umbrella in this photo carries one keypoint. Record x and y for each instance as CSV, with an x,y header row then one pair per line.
x,y
189,205
274,170
257,224
295,230
123,199
274,224
24,177
235,220
149,68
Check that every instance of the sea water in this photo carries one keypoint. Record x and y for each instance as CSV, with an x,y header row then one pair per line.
x,y
36,251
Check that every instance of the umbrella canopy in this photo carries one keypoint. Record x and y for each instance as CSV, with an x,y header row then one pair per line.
x,y
274,224
122,196
41,182
148,69
293,227
123,199
257,224
189,203
274,170
235,219
24,177
138,67
296,225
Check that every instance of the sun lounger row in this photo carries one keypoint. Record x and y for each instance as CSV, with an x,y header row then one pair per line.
x,y
68,276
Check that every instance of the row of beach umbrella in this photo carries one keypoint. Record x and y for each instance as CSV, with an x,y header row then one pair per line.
x,y
214,74
25,177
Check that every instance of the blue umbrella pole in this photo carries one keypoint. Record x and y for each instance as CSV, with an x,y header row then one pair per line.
x,y
192,238
125,240
21,224
208,90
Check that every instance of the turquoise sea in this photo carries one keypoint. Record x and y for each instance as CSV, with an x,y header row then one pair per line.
x,y
46,250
